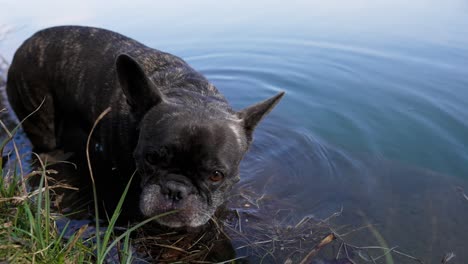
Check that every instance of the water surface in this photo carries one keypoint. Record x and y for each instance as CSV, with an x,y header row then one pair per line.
x,y
375,119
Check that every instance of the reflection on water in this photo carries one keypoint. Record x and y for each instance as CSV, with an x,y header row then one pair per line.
x,y
412,208
375,119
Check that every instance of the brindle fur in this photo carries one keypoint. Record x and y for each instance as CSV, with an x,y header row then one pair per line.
x,y
157,100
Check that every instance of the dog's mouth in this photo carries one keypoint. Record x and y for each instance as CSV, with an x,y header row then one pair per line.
x,y
191,211
173,209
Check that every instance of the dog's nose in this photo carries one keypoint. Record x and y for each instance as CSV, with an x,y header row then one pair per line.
x,y
175,191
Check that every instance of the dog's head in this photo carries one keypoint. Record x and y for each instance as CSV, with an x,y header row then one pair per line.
x,y
188,154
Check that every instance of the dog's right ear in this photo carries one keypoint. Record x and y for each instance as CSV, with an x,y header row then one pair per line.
x,y
252,115
140,91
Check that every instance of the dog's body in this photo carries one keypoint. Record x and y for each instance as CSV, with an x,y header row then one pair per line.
x,y
167,121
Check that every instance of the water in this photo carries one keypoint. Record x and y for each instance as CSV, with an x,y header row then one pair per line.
x,y
375,119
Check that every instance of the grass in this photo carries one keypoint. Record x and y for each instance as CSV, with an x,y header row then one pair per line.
x,y
29,233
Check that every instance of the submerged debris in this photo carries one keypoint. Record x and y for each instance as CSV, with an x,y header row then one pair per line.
x,y
449,256
252,231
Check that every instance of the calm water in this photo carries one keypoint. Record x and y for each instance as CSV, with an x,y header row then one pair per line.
x,y
375,119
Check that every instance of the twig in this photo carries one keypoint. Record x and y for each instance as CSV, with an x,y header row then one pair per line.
x,y
335,214
11,137
462,193
355,230
15,147
449,256
325,241
171,247
385,253
408,256
239,220
347,254
101,116
196,242
339,250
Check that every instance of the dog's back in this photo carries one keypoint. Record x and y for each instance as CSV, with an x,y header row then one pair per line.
x,y
72,68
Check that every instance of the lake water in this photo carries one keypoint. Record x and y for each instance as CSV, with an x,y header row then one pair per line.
x,y
375,117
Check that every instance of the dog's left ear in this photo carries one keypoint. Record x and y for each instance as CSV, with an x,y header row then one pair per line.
x,y
140,91
252,115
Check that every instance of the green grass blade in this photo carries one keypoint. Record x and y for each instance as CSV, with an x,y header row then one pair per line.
x,y
133,228
60,237
115,216
127,250
38,218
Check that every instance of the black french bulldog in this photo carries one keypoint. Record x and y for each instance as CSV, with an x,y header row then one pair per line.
x,y
167,121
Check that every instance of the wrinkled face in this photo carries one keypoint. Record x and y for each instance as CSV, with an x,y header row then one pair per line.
x,y
187,159
187,164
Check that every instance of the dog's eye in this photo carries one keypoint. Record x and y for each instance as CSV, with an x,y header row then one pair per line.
x,y
157,156
151,158
216,176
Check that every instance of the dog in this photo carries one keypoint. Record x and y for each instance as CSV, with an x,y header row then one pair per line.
x,y
167,121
